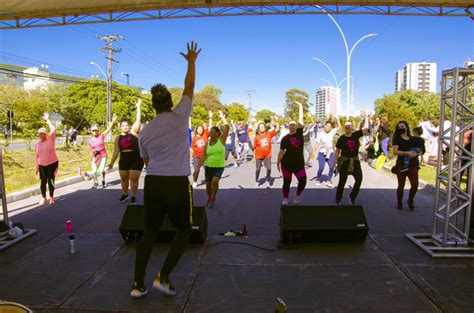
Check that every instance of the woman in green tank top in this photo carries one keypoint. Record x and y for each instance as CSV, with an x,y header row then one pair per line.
x,y
214,159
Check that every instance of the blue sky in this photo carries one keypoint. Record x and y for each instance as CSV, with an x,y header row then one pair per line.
x,y
268,54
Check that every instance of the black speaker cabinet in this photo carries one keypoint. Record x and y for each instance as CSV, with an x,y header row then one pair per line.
x,y
131,226
323,223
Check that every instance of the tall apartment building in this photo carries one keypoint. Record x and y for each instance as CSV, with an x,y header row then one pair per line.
x,y
328,101
417,76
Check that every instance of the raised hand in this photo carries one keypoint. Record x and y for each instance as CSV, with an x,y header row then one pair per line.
x,y
114,118
221,115
210,113
46,116
139,103
192,53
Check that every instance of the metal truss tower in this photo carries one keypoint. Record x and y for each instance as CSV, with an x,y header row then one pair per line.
x,y
454,193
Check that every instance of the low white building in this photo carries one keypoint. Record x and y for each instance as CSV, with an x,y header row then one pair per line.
x,y
36,77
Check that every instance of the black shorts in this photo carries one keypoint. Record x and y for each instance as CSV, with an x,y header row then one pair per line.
x,y
48,171
210,172
130,161
171,195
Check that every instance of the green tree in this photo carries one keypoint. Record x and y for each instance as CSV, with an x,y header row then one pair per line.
x,y
199,116
291,97
264,115
208,98
408,105
236,112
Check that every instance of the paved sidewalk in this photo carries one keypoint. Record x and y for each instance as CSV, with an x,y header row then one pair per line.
x,y
385,274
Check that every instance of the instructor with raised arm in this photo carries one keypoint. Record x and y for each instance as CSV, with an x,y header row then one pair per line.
x,y
165,151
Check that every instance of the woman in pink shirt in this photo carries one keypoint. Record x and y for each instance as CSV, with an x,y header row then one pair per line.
x,y
99,154
46,159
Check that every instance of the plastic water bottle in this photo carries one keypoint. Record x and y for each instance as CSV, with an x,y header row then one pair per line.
x,y
72,244
72,238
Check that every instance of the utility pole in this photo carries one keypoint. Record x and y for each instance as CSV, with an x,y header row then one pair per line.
x,y
128,77
110,52
249,94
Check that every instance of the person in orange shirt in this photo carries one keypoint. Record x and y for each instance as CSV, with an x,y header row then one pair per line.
x,y
263,149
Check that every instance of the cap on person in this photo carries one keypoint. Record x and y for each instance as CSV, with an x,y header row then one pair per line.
x,y
42,130
94,127
292,123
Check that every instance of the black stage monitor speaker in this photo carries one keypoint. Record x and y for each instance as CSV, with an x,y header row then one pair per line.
x,y
323,223
131,227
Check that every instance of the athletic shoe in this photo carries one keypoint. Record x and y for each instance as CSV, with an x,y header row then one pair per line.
x,y
164,286
318,183
123,198
133,200
94,186
285,201
104,185
51,200
138,292
195,185
42,201
329,184
210,204
297,200
267,184
353,201
236,164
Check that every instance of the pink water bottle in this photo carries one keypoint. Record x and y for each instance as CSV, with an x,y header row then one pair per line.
x,y
68,227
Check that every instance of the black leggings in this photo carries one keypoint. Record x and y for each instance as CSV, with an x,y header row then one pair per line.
x,y
412,174
357,173
47,174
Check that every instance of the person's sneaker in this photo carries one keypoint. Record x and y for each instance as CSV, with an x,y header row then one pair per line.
x,y
42,201
133,200
164,286
236,164
318,183
104,185
195,185
51,200
285,201
267,184
94,186
353,201
123,198
138,292
210,204
297,200
329,184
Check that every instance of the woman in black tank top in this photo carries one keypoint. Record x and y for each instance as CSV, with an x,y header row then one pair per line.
x,y
130,164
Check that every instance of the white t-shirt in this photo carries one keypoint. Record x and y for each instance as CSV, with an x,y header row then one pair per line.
x,y
164,140
326,140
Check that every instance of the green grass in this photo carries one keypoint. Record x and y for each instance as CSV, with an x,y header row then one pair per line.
x,y
19,167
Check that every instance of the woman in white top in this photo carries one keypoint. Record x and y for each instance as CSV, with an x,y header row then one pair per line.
x,y
325,150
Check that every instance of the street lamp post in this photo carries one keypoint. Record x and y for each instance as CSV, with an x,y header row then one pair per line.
x,y
109,99
348,57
